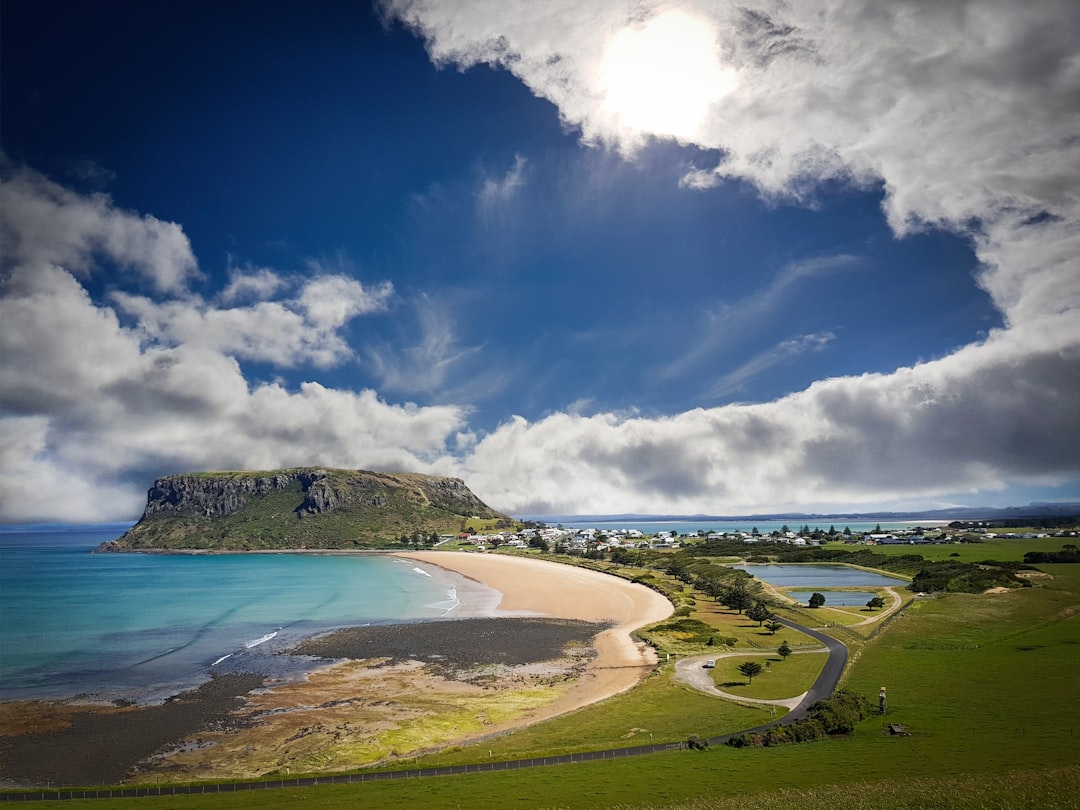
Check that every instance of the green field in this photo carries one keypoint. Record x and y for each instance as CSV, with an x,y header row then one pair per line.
x,y
984,684
1003,549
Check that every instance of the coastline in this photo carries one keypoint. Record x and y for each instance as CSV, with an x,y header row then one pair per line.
x,y
342,707
539,587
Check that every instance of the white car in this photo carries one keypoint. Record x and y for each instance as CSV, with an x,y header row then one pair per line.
x,y
710,664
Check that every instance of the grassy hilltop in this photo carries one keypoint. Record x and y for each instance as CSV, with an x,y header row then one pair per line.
x,y
299,508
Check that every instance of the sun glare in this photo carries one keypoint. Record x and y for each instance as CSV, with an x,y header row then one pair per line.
x,y
661,77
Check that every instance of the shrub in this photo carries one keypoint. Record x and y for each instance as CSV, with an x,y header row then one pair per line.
x,y
838,714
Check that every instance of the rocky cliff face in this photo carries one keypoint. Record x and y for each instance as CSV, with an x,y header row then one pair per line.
x,y
302,506
218,495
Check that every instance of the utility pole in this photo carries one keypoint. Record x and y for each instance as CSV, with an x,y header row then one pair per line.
x,y
881,701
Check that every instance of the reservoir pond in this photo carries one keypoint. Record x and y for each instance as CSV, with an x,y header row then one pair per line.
x,y
835,598
820,576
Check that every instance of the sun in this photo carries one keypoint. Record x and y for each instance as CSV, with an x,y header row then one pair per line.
x,y
662,76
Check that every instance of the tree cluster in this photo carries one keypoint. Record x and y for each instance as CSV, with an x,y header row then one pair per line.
x,y
1068,554
838,714
958,577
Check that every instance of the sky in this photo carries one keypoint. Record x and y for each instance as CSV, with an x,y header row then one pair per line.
x,y
642,256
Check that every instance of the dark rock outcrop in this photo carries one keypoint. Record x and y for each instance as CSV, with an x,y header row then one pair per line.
x,y
303,507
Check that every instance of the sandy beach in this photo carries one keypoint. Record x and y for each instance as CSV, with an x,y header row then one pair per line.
x,y
514,651
542,588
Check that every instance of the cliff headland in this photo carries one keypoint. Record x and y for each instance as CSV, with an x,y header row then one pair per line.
x,y
299,508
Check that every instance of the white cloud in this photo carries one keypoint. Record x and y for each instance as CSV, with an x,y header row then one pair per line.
x,y
944,427
259,284
423,362
964,113
286,333
89,415
43,223
91,409
498,192
728,321
784,352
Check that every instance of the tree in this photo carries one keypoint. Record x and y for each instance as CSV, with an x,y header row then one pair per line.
x,y
676,567
736,597
750,669
711,586
784,650
772,626
759,613
876,602
816,600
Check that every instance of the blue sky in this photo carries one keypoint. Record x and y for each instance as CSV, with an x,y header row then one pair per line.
x,y
594,258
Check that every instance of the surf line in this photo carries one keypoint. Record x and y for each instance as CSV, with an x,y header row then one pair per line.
x,y
260,640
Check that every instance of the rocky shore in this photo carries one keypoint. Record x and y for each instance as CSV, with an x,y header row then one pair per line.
x,y
46,743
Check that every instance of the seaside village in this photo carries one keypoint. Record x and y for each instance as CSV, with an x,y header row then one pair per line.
x,y
582,541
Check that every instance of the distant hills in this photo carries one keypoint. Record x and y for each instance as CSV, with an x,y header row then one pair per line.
x,y
1032,510
309,507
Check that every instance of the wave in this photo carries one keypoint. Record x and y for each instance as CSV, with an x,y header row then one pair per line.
x,y
421,571
260,640
452,602
227,655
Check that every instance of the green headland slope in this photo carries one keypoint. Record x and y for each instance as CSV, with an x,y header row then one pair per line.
x,y
306,507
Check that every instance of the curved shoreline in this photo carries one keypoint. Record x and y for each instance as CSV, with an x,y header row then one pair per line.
x,y
542,588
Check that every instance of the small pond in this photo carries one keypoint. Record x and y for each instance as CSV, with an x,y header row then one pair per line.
x,y
819,576
835,598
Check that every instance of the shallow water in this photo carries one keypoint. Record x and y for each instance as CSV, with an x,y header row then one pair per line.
x,y
144,626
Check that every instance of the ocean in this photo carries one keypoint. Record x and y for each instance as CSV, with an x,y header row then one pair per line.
x,y
142,627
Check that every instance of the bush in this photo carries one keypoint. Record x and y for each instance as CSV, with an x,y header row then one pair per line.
x,y
838,714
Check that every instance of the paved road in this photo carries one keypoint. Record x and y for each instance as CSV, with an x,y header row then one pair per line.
x,y
823,687
828,678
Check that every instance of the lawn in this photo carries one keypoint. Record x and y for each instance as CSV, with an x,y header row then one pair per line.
x,y
781,678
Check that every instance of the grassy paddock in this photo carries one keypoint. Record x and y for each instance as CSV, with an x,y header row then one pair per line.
x,y
1002,549
783,678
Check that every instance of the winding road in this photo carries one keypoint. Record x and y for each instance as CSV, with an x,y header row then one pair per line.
x,y
690,672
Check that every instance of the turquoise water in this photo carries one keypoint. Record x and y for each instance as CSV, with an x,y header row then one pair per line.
x,y
143,626
835,598
819,576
